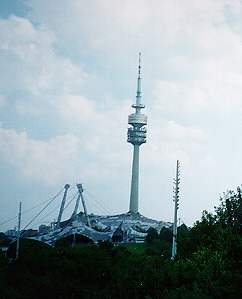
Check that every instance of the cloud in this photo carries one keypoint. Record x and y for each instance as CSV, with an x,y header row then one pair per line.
x,y
127,19
40,161
199,78
2,101
196,41
32,68
215,89
169,141
178,132
112,27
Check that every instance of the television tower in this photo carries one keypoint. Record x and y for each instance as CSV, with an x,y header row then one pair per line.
x,y
136,136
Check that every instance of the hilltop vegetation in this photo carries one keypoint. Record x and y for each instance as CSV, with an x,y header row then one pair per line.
x,y
208,264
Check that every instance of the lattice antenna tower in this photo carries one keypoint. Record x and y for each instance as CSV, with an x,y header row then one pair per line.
x,y
176,206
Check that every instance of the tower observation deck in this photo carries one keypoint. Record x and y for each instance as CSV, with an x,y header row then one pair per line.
x,y
136,136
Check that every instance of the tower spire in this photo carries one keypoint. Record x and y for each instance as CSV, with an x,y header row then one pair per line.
x,y
138,93
138,106
136,136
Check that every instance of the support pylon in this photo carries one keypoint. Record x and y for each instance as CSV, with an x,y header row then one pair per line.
x,y
67,186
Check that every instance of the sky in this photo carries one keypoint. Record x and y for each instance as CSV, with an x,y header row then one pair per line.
x,y
68,79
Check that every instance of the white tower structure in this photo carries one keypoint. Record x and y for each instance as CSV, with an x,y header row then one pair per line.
x,y
136,136
176,200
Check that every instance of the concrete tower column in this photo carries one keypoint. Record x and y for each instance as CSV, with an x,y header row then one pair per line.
x,y
134,192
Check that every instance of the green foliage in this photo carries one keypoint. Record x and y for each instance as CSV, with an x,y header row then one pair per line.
x,y
62,242
73,240
4,240
152,235
135,247
183,232
230,211
166,235
105,245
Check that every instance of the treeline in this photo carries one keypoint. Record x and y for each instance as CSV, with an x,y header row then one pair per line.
x,y
208,264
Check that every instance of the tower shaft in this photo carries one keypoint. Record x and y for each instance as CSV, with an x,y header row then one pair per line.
x,y
134,192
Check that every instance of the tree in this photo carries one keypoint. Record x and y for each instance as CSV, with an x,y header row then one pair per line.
x,y
152,235
229,213
166,235
4,240
183,231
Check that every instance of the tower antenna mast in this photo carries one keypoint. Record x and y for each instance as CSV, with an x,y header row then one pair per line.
x,y
176,199
136,136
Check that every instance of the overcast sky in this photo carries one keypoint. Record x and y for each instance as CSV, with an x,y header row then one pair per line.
x,y
68,73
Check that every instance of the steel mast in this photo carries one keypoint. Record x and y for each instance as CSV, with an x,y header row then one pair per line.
x,y
136,136
67,186
74,214
80,189
176,199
